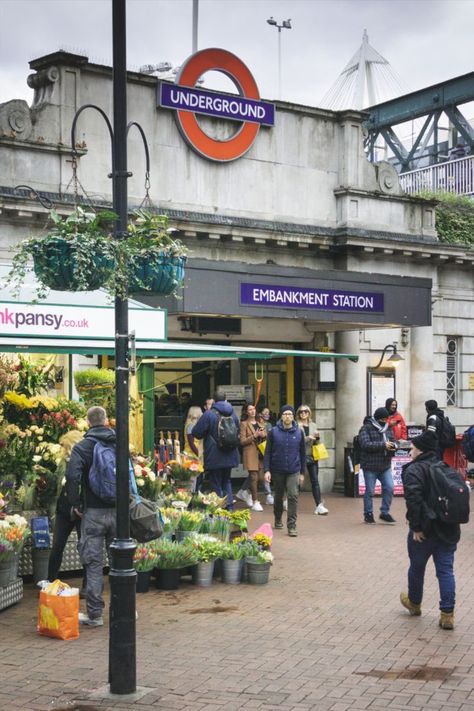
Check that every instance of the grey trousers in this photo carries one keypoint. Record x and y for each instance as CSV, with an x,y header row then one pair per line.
x,y
97,526
290,483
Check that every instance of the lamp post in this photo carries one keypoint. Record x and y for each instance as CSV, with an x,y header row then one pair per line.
x,y
286,24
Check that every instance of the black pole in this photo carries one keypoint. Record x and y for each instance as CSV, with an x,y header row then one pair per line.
x,y
122,641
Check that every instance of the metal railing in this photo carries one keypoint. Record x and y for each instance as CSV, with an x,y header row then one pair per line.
x,y
454,176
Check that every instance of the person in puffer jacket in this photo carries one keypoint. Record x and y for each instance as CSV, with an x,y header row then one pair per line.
x,y
284,463
376,451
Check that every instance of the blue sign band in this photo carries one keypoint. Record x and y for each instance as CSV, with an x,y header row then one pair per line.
x,y
294,297
210,103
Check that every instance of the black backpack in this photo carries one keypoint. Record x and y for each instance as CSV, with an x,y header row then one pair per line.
x,y
449,494
468,444
447,433
228,437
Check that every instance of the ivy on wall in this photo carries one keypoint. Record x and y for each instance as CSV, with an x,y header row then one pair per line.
x,y
454,217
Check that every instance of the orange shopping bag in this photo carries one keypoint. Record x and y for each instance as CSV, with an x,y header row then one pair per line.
x,y
58,614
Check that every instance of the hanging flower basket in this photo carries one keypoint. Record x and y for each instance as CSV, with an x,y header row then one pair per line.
x,y
60,265
160,274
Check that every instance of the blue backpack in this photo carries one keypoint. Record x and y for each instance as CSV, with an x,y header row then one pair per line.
x,y
102,474
468,444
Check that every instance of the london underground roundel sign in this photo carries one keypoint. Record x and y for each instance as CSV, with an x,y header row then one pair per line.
x,y
188,100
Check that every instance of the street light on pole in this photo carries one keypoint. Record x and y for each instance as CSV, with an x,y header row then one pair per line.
x,y
286,24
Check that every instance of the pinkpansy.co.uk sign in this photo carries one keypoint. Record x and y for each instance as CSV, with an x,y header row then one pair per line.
x,y
63,320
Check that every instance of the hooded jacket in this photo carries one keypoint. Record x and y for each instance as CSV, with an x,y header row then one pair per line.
x,y
78,491
374,456
206,429
285,451
416,486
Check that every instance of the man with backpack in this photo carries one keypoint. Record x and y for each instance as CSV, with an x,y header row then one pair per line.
x,y
90,487
437,500
439,424
219,427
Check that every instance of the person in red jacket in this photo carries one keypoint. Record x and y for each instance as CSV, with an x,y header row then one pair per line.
x,y
395,420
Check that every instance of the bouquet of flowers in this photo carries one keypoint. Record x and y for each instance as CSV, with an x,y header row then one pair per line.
x,y
172,555
13,531
211,502
263,541
148,483
190,521
184,471
233,551
145,557
205,548
170,517
240,518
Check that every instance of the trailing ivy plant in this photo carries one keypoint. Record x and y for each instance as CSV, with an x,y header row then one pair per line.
x,y
79,253
454,217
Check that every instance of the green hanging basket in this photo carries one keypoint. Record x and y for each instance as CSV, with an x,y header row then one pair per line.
x,y
61,266
160,274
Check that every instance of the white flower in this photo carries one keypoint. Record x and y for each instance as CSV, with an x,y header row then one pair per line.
x,y
151,476
37,458
140,482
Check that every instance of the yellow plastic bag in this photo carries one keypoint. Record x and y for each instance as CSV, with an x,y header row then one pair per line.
x,y
58,613
319,451
262,446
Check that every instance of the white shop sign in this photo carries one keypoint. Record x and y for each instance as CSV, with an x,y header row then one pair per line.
x,y
77,321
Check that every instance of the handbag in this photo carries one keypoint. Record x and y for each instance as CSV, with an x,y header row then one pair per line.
x,y
261,446
145,517
58,612
319,451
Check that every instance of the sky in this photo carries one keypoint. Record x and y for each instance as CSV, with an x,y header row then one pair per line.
x,y
425,41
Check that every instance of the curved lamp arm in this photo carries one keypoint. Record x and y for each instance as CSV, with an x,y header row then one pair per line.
x,y
106,119
145,143
395,357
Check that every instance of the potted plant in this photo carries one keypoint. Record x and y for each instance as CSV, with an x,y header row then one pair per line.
x,y
232,555
79,253
189,524
258,567
171,558
96,386
144,560
207,550
239,519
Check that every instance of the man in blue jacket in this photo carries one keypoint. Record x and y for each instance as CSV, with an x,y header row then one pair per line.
x,y
218,461
284,462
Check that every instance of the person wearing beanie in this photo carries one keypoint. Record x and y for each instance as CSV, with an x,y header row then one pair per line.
x,y
428,537
376,451
395,420
284,464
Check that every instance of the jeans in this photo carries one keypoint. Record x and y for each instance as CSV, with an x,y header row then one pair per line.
x,y
63,527
290,483
386,480
443,559
97,526
221,483
313,471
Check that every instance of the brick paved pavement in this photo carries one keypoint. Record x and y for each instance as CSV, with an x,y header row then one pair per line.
x,y
327,633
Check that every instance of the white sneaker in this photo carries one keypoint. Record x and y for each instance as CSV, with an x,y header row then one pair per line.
x,y
244,495
285,504
89,621
269,500
321,510
257,506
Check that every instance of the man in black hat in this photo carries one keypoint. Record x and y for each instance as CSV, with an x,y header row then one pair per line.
x,y
427,536
376,451
284,462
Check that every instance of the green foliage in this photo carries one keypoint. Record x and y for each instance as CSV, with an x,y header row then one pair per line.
x,y
454,217
171,555
79,253
96,387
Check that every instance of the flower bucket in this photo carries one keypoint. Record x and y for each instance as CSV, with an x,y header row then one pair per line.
x,y
161,274
8,566
143,581
257,573
40,560
231,571
167,578
15,566
217,573
55,264
202,574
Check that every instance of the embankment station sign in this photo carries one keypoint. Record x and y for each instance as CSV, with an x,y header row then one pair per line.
x,y
297,297
187,101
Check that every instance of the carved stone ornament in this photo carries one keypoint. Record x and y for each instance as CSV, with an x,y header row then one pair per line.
x,y
43,83
15,119
387,178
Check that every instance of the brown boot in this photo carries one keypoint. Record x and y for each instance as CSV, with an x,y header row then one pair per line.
x,y
413,609
446,620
